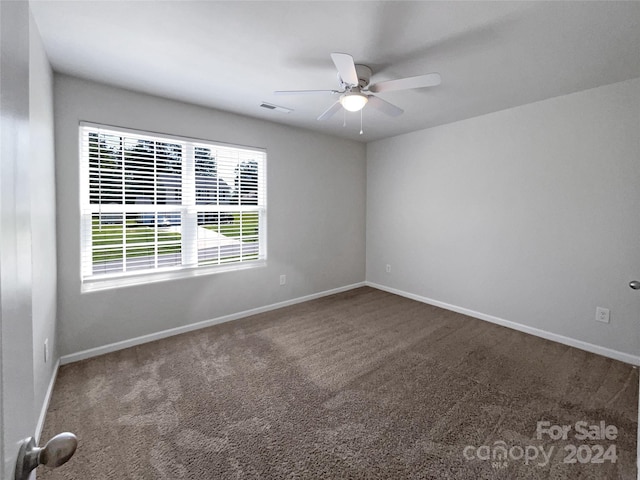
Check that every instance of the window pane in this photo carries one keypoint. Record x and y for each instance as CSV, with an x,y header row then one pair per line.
x,y
168,174
211,189
229,238
107,241
105,168
153,240
246,183
144,241
153,172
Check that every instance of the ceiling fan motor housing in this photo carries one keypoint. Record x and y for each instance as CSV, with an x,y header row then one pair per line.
x,y
364,77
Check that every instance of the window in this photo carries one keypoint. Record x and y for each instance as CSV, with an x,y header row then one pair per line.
x,y
157,206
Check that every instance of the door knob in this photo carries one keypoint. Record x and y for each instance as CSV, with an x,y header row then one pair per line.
x,y
56,452
635,284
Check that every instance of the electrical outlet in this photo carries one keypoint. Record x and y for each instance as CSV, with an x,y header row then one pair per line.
x,y
602,315
283,279
388,268
46,350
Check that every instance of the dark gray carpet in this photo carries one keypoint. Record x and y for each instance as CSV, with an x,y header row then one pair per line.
x,y
359,385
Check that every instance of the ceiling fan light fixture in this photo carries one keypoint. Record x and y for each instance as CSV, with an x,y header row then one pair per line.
x,y
354,102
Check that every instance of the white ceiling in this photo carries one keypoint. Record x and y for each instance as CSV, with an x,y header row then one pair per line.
x,y
232,55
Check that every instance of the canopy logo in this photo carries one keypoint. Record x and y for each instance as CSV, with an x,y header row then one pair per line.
x,y
500,454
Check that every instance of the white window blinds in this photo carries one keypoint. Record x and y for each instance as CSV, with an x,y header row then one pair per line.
x,y
152,203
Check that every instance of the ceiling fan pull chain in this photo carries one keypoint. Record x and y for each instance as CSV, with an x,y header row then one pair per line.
x,y
344,118
361,122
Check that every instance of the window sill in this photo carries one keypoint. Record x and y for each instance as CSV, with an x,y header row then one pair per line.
x,y
95,285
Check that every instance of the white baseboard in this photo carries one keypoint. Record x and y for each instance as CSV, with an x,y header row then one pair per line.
x,y
45,403
572,342
112,347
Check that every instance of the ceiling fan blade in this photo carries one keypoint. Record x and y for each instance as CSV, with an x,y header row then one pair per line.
x,y
329,112
384,106
420,81
304,92
346,67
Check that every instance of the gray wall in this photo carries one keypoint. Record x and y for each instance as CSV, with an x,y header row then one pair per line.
x,y
43,214
316,218
531,214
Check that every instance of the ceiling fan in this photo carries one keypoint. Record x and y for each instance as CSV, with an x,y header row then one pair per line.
x,y
356,92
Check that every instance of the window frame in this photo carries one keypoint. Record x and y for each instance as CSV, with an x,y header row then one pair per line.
x,y
92,282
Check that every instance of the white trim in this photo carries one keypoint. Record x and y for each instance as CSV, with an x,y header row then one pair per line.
x,y
162,275
112,347
572,342
45,403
